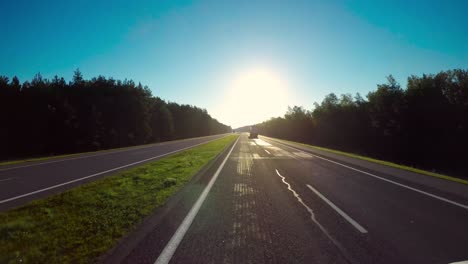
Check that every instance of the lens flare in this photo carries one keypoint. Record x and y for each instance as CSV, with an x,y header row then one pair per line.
x,y
254,96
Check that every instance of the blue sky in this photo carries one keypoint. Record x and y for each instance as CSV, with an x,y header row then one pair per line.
x,y
191,51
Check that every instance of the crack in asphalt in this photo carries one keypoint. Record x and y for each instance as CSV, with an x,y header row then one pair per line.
x,y
342,250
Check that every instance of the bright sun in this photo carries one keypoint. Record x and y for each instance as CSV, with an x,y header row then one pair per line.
x,y
254,96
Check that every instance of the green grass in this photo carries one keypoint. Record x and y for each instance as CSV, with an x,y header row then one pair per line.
x,y
383,162
78,225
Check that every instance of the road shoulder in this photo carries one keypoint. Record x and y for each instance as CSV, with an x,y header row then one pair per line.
x,y
158,227
442,185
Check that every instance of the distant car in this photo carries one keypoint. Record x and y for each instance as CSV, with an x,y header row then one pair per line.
x,y
253,132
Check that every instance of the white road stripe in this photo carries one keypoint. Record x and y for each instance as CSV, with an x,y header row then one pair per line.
x,y
171,247
99,173
384,179
267,152
100,153
60,160
7,179
320,226
339,211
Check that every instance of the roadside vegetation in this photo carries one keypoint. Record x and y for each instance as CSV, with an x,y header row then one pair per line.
x,y
79,225
45,117
424,125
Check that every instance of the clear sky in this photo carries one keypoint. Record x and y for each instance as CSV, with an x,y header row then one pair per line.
x,y
244,61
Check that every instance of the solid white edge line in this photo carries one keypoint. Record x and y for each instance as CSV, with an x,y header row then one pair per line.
x,y
384,179
99,173
339,211
103,153
340,247
6,179
175,240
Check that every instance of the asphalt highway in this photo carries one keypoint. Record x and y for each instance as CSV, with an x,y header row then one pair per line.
x,y
25,182
266,202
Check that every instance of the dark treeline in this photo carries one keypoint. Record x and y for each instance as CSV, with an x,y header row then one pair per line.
x,y
45,117
424,125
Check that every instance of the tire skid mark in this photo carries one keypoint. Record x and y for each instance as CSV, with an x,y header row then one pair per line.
x,y
245,161
247,227
303,155
343,251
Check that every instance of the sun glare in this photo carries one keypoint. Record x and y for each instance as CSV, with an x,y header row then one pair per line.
x,y
254,96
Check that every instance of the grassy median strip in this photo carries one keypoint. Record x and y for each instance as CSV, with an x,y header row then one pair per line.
x,y
78,225
382,162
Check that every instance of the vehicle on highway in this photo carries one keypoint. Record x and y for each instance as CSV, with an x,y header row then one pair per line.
x,y
253,132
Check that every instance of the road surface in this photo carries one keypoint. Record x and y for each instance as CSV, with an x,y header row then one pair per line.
x,y
265,202
25,182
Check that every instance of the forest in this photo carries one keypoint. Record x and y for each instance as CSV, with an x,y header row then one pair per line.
x,y
424,125
45,117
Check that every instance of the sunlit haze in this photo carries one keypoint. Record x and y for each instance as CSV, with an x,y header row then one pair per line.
x,y
252,96
242,61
